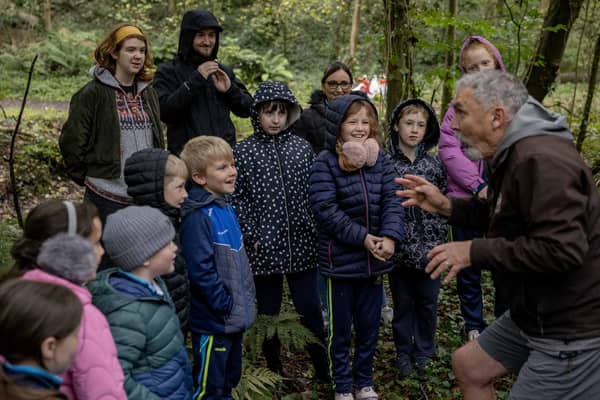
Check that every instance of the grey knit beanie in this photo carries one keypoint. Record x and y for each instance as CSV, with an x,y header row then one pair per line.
x,y
134,234
70,257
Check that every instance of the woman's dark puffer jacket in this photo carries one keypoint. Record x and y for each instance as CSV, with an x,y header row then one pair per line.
x,y
311,125
145,176
348,205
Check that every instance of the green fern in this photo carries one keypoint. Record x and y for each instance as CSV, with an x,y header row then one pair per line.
x,y
256,383
292,334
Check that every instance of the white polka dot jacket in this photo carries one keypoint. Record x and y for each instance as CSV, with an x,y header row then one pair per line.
x,y
271,196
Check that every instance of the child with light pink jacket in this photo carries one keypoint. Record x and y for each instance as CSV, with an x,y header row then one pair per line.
x,y
69,260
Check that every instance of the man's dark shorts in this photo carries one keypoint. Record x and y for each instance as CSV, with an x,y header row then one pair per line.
x,y
547,368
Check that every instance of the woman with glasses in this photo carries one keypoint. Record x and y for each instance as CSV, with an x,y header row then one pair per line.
x,y
336,81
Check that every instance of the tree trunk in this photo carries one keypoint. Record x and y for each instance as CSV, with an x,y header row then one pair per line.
x,y
48,15
450,54
342,14
590,95
354,32
551,46
399,44
171,8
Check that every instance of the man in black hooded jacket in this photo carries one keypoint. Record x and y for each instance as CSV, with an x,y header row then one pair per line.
x,y
195,91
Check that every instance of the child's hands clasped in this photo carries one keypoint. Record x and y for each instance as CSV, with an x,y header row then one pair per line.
x,y
382,248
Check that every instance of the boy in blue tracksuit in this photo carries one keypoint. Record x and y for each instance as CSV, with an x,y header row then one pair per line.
x,y
413,131
222,289
351,191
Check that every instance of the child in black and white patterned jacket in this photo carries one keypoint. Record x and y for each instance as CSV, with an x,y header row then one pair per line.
x,y
413,132
271,201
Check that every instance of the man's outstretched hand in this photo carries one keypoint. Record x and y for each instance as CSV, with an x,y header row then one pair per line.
x,y
421,193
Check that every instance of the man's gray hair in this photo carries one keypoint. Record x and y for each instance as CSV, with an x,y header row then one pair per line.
x,y
491,88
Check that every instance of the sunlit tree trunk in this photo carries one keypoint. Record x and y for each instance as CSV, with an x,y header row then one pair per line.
x,y
48,15
354,31
551,45
171,8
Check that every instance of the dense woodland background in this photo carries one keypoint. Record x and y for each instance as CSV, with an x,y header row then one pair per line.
x,y
553,45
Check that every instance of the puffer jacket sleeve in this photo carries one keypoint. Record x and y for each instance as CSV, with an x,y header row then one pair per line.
x,y
242,201
392,221
463,171
322,197
199,254
127,328
96,373
76,134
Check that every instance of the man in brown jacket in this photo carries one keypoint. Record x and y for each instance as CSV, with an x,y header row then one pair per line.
x,y
542,218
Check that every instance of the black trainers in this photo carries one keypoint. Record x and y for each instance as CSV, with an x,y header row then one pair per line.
x,y
404,365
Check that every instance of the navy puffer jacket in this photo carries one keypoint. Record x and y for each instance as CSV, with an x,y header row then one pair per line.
x,y
349,205
145,177
423,230
271,197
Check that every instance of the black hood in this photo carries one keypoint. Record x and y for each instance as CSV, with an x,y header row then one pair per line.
x,y
192,22
432,134
145,178
335,112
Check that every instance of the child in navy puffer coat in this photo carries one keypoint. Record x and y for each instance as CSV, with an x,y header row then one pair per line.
x,y
352,194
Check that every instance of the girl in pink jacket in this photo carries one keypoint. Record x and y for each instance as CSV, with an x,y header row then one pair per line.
x,y
69,260
466,178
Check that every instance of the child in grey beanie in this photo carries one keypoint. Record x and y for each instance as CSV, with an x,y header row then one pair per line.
x,y
139,240
134,234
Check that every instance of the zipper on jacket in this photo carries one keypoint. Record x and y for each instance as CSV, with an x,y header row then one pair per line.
x,y
285,205
366,197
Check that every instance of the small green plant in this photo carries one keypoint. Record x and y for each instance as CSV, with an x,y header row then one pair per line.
x,y
8,234
256,383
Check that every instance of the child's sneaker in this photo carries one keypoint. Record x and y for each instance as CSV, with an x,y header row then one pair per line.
x,y
366,393
473,334
343,396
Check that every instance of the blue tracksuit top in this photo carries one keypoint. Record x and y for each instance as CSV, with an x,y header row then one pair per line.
x,y
221,283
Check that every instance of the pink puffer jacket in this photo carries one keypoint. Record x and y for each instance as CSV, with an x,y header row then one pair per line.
x,y
95,373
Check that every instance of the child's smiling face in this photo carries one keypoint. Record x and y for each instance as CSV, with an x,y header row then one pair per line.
x,y
356,127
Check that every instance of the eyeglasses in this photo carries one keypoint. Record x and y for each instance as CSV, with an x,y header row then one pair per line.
x,y
345,85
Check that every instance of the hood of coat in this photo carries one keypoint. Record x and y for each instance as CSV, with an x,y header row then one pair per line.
x,y
192,22
271,91
144,175
42,276
485,42
199,197
107,78
532,119
114,289
432,133
335,112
